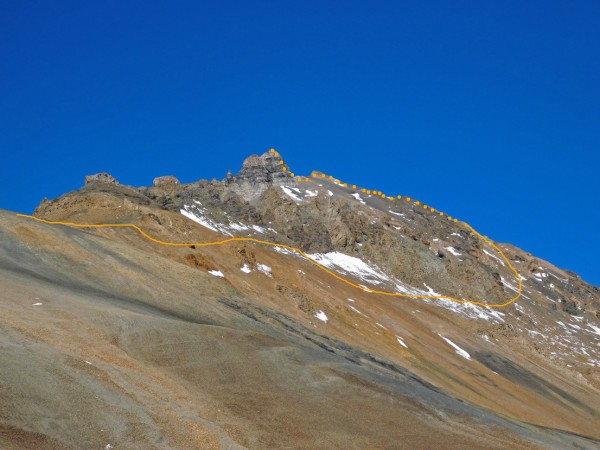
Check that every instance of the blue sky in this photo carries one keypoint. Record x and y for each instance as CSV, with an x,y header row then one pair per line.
x,y
489,111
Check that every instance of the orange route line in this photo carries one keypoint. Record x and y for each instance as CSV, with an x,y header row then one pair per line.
x,y
433,210
301,253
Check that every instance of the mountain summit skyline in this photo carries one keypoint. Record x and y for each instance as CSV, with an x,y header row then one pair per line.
x,y
488,111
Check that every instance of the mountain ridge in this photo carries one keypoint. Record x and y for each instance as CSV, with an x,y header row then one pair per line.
x,y
274,353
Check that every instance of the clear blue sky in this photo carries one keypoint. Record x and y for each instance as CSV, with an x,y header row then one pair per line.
x,y
489,111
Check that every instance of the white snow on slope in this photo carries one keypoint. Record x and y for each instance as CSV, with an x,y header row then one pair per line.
x,y
198,214
508,285
453,251
430,290
292,193
357,311
350,265
321,316
470,310
216,273
284,251
264,269
401,342
357,197
246,268
204,222
456,348
37,304
374,277
497,258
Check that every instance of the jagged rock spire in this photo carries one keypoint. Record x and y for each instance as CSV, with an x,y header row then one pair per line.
x,y
257,174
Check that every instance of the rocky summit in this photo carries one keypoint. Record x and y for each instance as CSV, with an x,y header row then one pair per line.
x,y
339,317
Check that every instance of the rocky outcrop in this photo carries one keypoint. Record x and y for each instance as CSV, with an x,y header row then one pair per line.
x,y
257,174
101,177
166,182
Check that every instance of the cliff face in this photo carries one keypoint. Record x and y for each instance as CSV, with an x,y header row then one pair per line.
x,y
258,174
265,349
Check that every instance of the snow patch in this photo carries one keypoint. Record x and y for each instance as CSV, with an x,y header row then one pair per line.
x,y
357,311
430,291
321,316
288,191
349,265
401,342
456,348
453,251
497,258
38,304
284,251
238,226
357,197
246,268
202,221
260,229
198,214
508,285
264,269
216,273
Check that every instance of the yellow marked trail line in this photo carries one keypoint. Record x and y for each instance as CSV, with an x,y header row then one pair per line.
x,y
301,253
